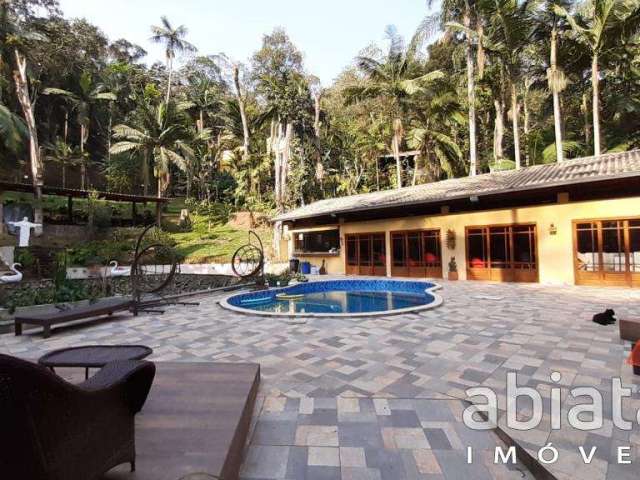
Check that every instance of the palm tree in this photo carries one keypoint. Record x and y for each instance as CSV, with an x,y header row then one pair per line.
x,y
13,131
508,34
395,77
174,42
158,137
601,27
82,101
452,11
550,25
439,115
64,154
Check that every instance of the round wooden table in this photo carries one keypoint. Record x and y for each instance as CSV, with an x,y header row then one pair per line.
x,y
93,356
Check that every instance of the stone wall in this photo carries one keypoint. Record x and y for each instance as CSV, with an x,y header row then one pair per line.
x,y
122,286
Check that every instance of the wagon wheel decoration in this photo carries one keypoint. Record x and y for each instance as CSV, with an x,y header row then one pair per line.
x,y
248,260
154,266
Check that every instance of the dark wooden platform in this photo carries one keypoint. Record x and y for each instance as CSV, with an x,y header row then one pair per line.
x,y
196,420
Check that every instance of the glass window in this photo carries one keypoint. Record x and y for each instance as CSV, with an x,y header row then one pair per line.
x,y
588,259
397,241
365,250
352,251
323,241
613,254
431,249
524,246
414,249
477,244
379,251
500,247
634,247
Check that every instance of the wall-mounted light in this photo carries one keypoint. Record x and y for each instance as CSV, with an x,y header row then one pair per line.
x,y
301,236
474,199
553,230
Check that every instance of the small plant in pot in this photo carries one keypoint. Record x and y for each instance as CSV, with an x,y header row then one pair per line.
x,y
298,278
453,269
281,280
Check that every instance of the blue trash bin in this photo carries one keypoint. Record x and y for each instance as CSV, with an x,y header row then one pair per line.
x,y
305,268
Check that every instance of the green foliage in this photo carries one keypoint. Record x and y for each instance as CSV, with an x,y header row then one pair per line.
x,y
100,107
214,212
99,212
278,280
24,257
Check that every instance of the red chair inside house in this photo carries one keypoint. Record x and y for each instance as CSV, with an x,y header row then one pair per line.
x,y
477,263
430,258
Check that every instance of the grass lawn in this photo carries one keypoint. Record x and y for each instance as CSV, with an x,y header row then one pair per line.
x,y
214,243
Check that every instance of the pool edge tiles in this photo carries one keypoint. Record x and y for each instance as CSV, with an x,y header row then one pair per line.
x,y
231,302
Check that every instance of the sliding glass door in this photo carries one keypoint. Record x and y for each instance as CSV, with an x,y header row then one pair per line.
x,y
607,252
506,253
416,253
366,254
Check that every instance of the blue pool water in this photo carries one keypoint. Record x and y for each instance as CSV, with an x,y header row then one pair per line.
x,y
336,297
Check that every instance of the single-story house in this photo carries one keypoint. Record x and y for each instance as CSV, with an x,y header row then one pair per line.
x,y
574,222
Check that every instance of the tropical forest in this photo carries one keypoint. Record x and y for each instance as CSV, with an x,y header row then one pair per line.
x,y
480,86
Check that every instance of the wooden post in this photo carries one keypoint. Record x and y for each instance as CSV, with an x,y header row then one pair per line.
x,y
134,214
159,213
70,208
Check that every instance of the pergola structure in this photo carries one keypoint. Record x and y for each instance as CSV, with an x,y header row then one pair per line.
x,y
72,193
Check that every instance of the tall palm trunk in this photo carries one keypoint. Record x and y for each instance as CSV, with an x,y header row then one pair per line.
x,y
595,82
526,128
66,135
37,168
498,134
200,122
286,158
22,92
246,139
480,54
83,163
396,142
584,108
170,68
317,142
110,128
274,142
515,113
471,93
145,173
557,119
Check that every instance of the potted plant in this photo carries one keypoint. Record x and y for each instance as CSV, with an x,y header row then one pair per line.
x,y
453,269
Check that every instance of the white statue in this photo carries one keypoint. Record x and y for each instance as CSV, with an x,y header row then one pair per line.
x,y
25,227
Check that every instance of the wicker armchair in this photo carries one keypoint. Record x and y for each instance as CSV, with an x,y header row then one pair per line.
x,y
53,430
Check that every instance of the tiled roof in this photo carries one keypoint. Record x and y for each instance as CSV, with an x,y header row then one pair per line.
x,y
587,169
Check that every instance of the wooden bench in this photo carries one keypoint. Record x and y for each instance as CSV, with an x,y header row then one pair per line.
x,y
47,319
629,329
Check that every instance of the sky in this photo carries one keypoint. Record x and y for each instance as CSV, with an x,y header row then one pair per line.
x,y
329,32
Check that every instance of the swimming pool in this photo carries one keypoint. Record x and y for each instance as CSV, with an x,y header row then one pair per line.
x,y
338,298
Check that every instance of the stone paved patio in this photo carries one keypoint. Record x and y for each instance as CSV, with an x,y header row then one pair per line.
x,y
381,397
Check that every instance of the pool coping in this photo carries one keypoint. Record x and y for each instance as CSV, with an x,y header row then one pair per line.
x,y
437,301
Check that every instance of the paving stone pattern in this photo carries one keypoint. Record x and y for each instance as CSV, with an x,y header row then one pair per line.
x,y
382,398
